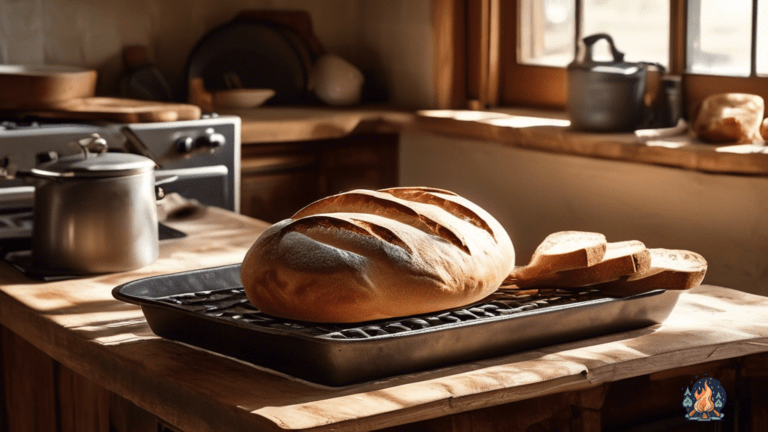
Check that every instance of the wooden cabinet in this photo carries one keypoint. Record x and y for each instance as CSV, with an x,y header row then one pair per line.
x,y
279,179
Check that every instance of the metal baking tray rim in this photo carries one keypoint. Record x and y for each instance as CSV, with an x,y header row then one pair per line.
x,y
411,333
307,353
118,293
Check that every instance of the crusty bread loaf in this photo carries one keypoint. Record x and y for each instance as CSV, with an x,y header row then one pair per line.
x,y
620,259
561,251
366,255
764,129
730,118
670,270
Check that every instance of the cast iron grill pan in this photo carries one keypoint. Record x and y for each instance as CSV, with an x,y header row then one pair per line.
x,y
208,309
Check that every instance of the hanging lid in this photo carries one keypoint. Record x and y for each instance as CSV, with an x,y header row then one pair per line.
x,y
618,66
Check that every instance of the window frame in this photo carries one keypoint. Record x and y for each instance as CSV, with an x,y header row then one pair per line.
x,y
490,76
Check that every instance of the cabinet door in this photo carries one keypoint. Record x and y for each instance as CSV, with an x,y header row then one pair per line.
x,y
359,162
274,197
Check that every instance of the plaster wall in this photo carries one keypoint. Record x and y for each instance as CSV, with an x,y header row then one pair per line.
x,y
392,38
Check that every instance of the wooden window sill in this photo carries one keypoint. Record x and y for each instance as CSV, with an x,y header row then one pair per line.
x,y
549,131
518,127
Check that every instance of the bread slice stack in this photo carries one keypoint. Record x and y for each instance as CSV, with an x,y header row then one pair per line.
x,y
575,259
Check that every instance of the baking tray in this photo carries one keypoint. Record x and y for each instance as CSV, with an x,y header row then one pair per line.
x,y
207,308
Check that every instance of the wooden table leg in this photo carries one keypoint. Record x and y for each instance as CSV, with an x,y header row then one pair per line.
x,y
28,384
42,395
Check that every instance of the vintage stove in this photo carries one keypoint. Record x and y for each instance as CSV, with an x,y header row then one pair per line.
x,y
203,155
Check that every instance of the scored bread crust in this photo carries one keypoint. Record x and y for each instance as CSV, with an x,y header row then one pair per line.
x,y
366,255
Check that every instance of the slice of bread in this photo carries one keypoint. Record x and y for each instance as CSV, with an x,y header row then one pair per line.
x,y
620,259
670,270
561,251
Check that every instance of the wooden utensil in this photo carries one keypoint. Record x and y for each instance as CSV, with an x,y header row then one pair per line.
x,y
120,110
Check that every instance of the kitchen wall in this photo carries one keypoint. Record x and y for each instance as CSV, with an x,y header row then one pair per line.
x,y
391,37
533,194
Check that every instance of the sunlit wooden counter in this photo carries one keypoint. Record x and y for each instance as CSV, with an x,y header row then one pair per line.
x,y
76,359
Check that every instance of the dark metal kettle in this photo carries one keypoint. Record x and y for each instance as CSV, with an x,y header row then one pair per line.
x,y
606,96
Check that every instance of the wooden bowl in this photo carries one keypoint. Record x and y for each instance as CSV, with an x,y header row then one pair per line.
x,y
38,86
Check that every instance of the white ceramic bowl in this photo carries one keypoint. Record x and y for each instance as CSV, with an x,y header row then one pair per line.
x,y
241,98
337,81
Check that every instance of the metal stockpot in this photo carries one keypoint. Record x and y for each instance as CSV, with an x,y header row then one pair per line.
x,y
95,213
606,96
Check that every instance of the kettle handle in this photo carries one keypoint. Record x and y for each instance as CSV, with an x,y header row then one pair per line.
x,y
589,41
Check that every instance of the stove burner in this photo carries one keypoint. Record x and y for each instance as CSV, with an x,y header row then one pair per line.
x,y
16,245
15,225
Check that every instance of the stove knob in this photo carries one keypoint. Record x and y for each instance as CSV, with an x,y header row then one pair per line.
x,y
185,145
211,140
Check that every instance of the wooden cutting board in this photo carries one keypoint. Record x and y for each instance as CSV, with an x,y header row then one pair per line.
x,y
120,110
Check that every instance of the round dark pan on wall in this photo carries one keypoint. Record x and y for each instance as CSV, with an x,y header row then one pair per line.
x,y
248,54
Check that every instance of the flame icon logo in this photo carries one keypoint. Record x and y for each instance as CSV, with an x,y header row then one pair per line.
x,y
705,400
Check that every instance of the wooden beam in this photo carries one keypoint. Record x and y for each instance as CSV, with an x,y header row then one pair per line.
x,y
449,39
524,85
677,36
478,33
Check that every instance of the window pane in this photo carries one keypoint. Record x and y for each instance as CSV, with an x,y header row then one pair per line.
x,y
546,32
640,29
719,37
762,38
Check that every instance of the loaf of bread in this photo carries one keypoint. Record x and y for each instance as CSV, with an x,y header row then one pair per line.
x,y
730,118
764,129
366,255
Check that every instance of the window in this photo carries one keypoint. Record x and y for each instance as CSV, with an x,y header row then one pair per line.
x,y
720,37
548,30
717,45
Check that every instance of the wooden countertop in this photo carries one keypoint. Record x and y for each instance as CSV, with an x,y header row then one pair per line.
x,y
286,124
525,128
78,323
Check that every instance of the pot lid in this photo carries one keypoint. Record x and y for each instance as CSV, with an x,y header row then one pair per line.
x,y
98,165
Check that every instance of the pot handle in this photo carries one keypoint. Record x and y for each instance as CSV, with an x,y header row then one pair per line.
x,y
589,41
159,192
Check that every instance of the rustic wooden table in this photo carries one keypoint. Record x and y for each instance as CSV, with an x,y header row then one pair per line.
x,y
74,358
